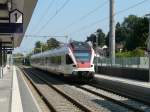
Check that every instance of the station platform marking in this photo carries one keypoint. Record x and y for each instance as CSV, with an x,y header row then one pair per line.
x,y
16,105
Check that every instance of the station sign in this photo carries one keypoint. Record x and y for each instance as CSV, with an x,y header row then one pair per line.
x,y
15,24
16,16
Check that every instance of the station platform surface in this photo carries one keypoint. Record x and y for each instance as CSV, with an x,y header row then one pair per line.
x,y
138,89
124,80
15,95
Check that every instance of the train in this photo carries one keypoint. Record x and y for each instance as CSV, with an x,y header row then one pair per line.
x,y
73,60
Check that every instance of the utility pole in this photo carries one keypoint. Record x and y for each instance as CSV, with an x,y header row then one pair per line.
x,y
41,49
66,39
112,32
148,44
96,52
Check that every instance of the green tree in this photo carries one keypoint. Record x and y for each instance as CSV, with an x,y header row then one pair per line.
x,y
18,55
136,32
120,34
101,37
92,38
44,47
37,47
38,44
107,39
52,43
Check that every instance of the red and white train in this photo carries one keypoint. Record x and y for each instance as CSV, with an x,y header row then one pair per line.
x,y
72,60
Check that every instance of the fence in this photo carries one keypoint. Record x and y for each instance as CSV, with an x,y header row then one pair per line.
x,y
131,62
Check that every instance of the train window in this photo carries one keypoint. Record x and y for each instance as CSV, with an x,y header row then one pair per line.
x,y
82,55
68,59
55,60
59,60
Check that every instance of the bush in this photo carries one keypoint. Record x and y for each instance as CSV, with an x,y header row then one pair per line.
x,y
135,53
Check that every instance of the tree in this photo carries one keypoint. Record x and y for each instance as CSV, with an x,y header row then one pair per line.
x,y
101,37
92,38
18,55
107,39
38,44
44,47
120,33
136,32
52,43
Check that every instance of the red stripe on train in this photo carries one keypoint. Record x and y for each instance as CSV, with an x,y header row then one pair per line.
x,y
84,65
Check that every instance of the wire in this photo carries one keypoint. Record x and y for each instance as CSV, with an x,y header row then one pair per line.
x,y
85,16
91,24
105,18
131,7
51,18
44,14
46,11
44,36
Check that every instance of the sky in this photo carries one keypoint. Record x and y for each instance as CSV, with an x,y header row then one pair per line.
x,y
76,18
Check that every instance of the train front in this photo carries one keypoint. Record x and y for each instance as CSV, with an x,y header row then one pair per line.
x,y
83,55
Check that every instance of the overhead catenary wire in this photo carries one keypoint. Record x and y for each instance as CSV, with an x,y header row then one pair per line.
x,y
44,13
44,36
105,18
52,17
85,16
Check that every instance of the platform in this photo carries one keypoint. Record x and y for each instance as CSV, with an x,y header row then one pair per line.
x,y
15,95
132,87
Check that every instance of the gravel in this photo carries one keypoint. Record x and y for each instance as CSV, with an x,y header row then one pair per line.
x,y
131,102
94,103
56,100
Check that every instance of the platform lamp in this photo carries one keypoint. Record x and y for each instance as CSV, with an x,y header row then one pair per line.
x,y
148,44
96,51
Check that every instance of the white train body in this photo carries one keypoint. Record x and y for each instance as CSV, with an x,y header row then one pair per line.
x,y
74,59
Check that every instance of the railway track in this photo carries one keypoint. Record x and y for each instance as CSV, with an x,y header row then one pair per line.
x,y
119,100
106,107
121,91
57,101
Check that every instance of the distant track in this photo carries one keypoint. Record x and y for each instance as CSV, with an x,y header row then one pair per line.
x,y
130,107
98,86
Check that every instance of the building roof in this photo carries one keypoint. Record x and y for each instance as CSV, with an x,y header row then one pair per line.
x,y
26,7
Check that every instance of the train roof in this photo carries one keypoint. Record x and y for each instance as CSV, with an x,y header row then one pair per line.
x,y
63,49
54,52
80,45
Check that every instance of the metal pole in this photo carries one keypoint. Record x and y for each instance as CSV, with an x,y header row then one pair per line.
x,y
66,39
112,32
96,53
1,60
149,47
41,49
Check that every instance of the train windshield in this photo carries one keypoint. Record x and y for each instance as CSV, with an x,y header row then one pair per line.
x,y
82,55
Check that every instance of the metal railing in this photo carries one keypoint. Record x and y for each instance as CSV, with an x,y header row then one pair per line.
x,y
131,62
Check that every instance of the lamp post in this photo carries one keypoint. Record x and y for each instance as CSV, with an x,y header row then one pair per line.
x,y
148,44
41,48
96,50
66,39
